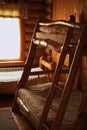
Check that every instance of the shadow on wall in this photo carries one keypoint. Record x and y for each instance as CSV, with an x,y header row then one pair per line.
x,y
82,18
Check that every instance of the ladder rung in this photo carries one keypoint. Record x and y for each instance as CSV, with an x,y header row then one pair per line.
x,y
60,88
71,48
53,108
45,126
72,45
65,71
60,85
64,67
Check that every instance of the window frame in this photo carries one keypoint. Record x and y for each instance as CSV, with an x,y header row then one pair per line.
x,y
21,60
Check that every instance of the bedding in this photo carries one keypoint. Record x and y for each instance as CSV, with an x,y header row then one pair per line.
x,y
34,97
58,29
59,38
9,80
56,33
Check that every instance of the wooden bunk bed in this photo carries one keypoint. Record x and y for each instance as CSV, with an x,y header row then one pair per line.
x,y
45,104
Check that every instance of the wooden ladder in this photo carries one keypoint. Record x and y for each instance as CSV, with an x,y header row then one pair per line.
x,y
67,90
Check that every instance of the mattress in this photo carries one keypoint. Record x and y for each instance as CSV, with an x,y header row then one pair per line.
x,y
59,38
57,34
34,98
9,80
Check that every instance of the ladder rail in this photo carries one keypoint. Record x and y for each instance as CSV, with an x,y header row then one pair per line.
x,y
55,80
69,83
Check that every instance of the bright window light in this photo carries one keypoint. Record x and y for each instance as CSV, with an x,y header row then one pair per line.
x,y
9,39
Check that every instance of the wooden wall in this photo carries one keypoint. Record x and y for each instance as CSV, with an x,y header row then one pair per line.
x,y
35,8
62,9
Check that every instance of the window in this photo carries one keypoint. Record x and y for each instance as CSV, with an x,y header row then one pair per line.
x,y
10,40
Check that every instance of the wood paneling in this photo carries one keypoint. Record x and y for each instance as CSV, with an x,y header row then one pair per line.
x,y
62,9
36,8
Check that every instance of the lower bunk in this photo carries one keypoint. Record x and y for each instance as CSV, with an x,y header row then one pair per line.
x,y
31,100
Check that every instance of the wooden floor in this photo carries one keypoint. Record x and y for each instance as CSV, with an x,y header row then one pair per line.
x,y
22,122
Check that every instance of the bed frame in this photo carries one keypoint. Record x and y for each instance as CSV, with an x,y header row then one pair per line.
x,y
30,100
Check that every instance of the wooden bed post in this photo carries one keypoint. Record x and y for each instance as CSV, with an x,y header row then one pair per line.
x,y
81,121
